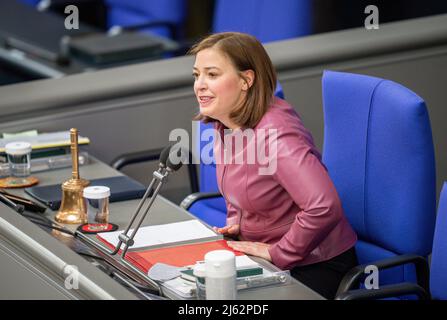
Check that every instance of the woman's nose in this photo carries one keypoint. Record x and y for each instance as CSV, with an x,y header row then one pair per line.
x,y
201,83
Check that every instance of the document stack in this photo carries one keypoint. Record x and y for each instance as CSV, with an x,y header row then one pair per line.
x,y
49,150
43,144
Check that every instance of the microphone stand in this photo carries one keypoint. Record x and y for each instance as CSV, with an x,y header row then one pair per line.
x,y
159,177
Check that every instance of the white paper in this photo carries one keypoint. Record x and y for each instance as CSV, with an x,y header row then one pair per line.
x,y
244,262
44,140
162,234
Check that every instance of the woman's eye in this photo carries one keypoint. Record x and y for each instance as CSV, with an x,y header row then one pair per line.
x,y
212,75
195,75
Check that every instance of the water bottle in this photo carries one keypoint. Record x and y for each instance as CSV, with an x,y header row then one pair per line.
x,y
220,279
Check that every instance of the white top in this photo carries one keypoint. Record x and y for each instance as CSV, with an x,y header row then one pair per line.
x,y
199,270
220,264
96,192
18,148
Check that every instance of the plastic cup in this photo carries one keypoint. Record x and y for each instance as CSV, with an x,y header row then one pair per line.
x,y
97,204
200,273
19,158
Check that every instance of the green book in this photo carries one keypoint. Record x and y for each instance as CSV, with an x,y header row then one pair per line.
x,y
188,274
247,272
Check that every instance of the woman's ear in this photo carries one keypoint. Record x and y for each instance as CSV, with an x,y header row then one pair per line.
x,y
248,77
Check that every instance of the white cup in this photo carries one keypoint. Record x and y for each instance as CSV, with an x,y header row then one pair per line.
x,y
19,158
97,204
200,274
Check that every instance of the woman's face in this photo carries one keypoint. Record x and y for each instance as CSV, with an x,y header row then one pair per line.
x,y
218,86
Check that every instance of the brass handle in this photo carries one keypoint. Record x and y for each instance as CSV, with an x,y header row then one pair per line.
x,y
74,152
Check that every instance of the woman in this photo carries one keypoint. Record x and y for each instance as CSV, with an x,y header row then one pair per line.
x,y
291,216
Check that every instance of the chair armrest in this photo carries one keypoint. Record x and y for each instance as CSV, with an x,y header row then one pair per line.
x,y
388,291
152,155
352,278
135,157
193,197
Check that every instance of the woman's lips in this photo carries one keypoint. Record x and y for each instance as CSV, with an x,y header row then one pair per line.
x,y
205,101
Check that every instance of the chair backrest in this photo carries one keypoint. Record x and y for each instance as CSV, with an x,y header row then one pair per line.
x,y
438,268
378,149
135,12
266,20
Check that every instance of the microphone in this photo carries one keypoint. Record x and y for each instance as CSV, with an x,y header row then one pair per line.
x,y
164,156
171,159
177,156
173,167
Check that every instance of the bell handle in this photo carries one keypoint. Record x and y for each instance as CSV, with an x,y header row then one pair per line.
x,y
74,153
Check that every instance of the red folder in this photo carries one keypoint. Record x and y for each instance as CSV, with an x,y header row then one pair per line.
x,y
179,256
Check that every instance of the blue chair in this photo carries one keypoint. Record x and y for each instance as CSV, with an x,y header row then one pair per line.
x,y
266,20
379,152
164,18
431,283
208,204
438,277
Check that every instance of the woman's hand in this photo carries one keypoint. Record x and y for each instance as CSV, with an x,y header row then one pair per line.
x,y
229,231
258,249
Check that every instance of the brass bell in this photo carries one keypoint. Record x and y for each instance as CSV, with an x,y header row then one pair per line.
x,y
73,209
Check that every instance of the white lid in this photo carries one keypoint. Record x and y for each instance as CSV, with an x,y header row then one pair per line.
x,y
199,269
18,148
96,192
220,264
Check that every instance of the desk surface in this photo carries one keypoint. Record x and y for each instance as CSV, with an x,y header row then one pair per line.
x,y
162,211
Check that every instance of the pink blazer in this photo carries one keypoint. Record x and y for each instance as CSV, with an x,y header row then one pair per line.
x,y
292,204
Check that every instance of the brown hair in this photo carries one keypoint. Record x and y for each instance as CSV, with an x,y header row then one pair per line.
x,y
246,53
